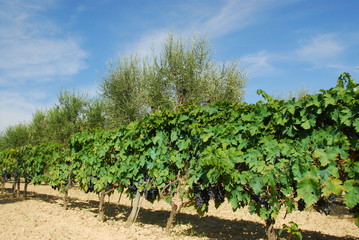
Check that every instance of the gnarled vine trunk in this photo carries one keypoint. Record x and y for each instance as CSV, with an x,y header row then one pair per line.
x,y
65,198
2,185
25,188
26,184
135,209
16,187
66,192
270,231
176,206
101,207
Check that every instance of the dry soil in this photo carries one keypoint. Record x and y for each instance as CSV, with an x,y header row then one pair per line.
x,y
41,216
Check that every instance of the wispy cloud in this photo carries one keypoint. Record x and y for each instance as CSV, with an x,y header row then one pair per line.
x,y
32,47
235,15
218,19
148,42
260,63
40,58
322,51
14,106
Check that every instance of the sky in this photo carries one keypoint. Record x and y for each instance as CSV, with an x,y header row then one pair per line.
x,y
281,45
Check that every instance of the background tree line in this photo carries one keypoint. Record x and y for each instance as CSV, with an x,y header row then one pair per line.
x,y
182,72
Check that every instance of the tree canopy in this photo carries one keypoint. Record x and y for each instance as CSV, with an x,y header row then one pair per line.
x,y
181,73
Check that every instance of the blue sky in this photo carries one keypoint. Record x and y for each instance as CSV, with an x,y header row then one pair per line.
x,y
282,45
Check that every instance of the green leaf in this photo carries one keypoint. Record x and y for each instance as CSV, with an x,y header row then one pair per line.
x,y
322,156
256,184
174,135
326,156
333,186
305,125
309,190
345,116
351,198
157,138
356,124
207,136
328,100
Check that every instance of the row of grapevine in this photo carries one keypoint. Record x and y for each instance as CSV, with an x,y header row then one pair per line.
x,y
267,156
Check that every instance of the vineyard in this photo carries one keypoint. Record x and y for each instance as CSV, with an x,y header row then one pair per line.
x,y
269,156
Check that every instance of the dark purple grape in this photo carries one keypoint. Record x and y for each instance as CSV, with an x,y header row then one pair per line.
x,y
151,194
301,204
322,205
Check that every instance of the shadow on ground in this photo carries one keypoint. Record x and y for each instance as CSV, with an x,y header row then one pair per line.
x,y
210,227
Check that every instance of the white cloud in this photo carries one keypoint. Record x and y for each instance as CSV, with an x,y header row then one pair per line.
x,y
40,58
321,51
151,40
214,21
32,47
231,16
14,107
235,15
260,63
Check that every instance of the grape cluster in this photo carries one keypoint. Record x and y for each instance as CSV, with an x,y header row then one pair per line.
x,y
6,175
146,177
16,174
217,193
151,194
66,182
333,198
108,187
323,205
301,204
58,186
28,178
263,201
202,197
132,188
91,187
355,209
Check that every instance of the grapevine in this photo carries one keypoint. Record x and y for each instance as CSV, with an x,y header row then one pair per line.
x,y
270,155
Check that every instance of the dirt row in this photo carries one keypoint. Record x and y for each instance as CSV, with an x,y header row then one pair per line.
x,y
41,216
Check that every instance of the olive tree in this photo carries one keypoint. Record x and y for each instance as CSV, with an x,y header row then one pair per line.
x,y
181,73
15,136
73,113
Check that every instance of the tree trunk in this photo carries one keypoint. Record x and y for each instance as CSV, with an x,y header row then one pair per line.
x,y
101,207
64,199
171,218
18,187
13,188
2,185
66,193
176,204
135,209
25,188
26,184
270,231
119,199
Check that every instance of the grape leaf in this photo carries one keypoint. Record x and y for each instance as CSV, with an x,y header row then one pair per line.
x,y
308,189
